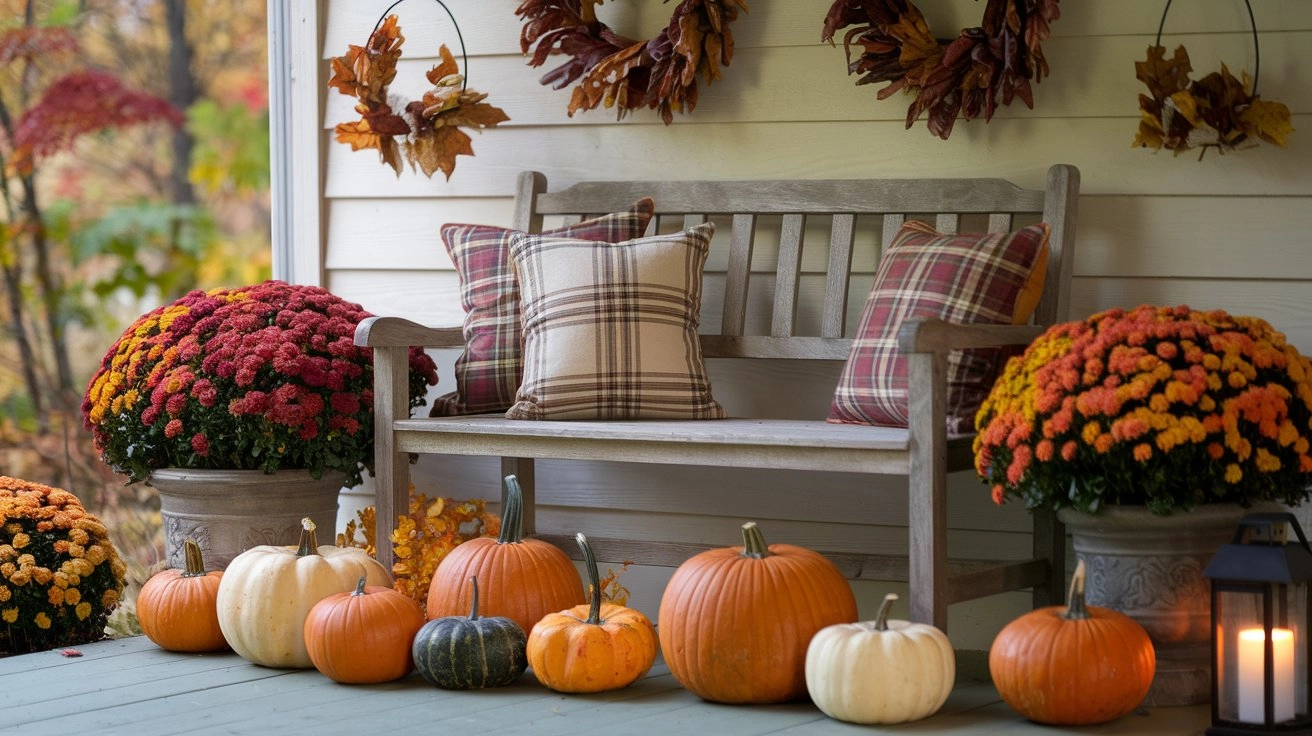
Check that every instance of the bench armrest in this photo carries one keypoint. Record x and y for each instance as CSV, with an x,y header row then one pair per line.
x,y
936,335
384,332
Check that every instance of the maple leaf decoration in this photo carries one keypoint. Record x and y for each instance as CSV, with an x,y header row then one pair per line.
x,y
1217,111
429,130
965,77
619,72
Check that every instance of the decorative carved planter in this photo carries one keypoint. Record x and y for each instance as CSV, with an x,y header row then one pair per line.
x,y
1150,568
229,511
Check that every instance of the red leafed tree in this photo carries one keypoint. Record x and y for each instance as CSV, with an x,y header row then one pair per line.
x,y
43,114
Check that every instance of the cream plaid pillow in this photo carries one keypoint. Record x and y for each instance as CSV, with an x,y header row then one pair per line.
x,y
610,329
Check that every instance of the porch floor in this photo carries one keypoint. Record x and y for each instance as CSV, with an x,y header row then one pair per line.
x,y
130,686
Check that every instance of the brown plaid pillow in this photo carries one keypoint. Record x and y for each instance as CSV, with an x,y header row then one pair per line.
x,y
610,330
992,278
489,370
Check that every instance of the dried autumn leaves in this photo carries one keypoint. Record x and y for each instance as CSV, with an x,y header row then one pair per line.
x,y
619,72
429,129
966,76
1216,111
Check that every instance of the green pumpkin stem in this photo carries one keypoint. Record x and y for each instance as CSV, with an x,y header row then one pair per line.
x,y
512,515
473,605
309,543
1075,608
359,586
881,618
594,579
754,545
195,566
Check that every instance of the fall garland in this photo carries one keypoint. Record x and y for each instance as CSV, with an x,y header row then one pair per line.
x,y
966,76
660,73
429,128
1217,111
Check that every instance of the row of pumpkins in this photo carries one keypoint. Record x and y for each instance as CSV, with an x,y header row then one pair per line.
x,y
753,624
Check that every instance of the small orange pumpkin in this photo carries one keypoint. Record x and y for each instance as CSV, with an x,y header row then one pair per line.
x,y
364,636
592,647
176,608
1076,665
735,622
522,579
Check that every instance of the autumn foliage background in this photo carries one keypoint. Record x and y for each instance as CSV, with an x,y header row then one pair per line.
x,y
134,167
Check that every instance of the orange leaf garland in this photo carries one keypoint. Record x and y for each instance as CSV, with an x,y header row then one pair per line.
x,y
429,128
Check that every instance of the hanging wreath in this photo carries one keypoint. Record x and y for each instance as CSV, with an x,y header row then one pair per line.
x,y
1217,111
429,129
966,76
619,72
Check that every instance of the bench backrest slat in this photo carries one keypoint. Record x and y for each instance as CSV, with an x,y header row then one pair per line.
x,y
784,217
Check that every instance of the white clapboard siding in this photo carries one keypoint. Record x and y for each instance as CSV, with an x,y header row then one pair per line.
x,y
1229,231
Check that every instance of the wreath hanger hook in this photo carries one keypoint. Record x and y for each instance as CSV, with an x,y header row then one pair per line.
x,y
464,55
1257,51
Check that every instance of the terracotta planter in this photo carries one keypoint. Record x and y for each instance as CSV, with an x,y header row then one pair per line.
x,y
1150,568
229,511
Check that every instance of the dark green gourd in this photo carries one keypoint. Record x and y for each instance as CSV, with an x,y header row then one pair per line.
x,y
470,653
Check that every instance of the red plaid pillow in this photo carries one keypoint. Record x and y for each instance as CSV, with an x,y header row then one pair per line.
x,y
992,278
489,370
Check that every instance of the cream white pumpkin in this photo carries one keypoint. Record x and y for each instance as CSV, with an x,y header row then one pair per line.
x,y
880,671
267,592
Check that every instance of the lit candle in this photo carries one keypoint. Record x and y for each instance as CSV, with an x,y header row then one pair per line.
x,y
1252,658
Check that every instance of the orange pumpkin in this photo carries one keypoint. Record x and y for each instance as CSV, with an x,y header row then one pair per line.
x,y
1076,665
592,647
363,636
522,579
735,622
176,608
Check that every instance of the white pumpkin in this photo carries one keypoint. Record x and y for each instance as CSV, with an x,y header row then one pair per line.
x,y
880,671
267,591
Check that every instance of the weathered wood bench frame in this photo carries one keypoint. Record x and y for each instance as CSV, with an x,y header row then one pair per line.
x,y
924,453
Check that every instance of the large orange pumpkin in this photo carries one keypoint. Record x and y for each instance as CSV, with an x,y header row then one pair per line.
x,y
592,647
522,579
735,622
1073,665
177,608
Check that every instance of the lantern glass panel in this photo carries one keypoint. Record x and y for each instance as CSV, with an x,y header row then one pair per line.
x,y
1241,652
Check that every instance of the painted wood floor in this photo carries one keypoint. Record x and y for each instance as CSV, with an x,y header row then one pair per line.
x,y
129,686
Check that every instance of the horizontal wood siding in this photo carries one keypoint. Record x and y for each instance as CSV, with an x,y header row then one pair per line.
x,y
1229,231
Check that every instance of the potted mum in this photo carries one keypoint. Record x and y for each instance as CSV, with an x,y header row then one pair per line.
x,y
228,387
1152,431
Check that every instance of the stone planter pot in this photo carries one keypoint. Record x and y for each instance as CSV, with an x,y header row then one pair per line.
x,y
1150,568
229,511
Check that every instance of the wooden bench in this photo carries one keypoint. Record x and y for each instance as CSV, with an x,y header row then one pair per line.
x,y
924,453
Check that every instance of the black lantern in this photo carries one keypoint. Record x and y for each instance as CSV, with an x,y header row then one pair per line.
x,y
1261,626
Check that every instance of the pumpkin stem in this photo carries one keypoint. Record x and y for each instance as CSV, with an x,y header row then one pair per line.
x,y
309,544
1075,608
512,515
195,562
881,618
754,545
359,586
594,579
473,606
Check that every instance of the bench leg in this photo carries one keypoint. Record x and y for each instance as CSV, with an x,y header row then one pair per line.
x,y
927,489
1050,545
522,468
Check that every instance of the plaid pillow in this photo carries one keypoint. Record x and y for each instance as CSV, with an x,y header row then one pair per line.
x,y
610,330
992,278
489,370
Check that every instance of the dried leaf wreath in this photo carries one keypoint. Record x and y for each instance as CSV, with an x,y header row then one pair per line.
x,y
430,128
1217,111
619,72
982,67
